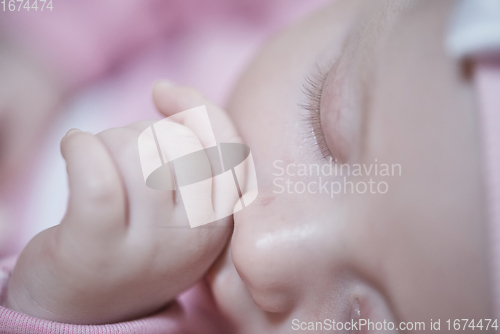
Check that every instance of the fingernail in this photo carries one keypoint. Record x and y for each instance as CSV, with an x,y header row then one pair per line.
x,y
72,131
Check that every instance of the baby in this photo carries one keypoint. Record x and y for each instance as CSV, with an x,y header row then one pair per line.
x,y
360,83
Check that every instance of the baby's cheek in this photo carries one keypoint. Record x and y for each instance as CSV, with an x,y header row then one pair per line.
x,y
272,250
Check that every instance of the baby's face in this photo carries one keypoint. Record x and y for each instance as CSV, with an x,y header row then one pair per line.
x,y
413,246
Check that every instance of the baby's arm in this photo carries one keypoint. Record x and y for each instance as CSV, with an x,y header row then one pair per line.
x,y
123,250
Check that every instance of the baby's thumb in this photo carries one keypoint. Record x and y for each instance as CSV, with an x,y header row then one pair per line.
x,y
96,201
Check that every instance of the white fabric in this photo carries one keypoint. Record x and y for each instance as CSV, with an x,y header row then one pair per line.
x,y
475,28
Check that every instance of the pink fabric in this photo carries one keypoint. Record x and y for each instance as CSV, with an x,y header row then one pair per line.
x,y
18,323
82,40
193,313
79,39
487,76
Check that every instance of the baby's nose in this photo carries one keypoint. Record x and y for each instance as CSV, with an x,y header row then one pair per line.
x,y
273,242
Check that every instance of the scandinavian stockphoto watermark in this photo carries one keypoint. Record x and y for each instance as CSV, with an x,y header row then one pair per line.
x,y
189,160
333,178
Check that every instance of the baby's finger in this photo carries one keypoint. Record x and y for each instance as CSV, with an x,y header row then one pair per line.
x,y
146,206
171,99
97,203
192,176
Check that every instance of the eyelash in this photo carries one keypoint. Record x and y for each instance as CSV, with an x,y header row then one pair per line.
x,y
313,89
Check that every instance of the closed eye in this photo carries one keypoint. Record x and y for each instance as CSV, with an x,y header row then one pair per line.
x,y
313,89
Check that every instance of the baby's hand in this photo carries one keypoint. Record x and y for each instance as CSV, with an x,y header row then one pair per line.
x,y
123,250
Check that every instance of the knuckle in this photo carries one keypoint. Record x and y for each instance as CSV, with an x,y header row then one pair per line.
x,y
180,134
102,191
182,131
140,125
190,95
118,140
